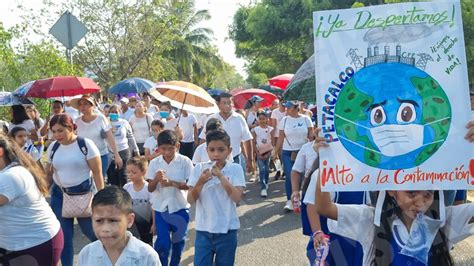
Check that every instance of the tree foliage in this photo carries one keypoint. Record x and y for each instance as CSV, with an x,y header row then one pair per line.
x,y
275,36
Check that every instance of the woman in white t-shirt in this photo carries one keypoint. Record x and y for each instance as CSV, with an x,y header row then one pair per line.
x,y
141,125
28,228
188,124
20,118
150,108
295,131
126,146
96,128
73,167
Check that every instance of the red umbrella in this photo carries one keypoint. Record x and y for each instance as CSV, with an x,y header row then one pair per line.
x,y
241,97
281,81
62,86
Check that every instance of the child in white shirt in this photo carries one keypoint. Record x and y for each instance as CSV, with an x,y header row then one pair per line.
x,y
111,216
167,175
263,146
216,187
138,190
20,136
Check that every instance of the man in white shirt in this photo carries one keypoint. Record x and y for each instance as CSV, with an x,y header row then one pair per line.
x,y
71,111
236,126
126,111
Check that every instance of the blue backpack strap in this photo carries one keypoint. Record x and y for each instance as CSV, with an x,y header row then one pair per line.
x,y
82,145
56,145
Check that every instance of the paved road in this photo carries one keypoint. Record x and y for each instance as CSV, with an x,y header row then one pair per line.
x,y
269,236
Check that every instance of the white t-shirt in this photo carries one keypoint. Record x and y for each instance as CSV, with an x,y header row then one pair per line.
x,y
140,201
305,158
278,116
72,112
128,114
92,131
251,118
119,130
310,196
200,154
296,131
28,124
26,209
170,124
236,127
171,198
215,212
135,252
263,135
351,217
187,125
32,151
152,110
141,128
70,164
152,144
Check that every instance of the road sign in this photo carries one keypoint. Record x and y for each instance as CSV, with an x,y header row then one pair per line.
x,y
68,30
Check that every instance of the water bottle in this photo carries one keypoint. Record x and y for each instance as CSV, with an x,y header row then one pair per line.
x,y
296,205
322,252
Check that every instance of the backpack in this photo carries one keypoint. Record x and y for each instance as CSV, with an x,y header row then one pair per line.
x,y
80,141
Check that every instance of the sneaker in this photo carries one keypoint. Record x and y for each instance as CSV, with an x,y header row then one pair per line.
x,y
277,175
263,193
288,206
252,179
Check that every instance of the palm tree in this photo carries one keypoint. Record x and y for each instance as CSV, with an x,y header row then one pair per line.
x,y
192,50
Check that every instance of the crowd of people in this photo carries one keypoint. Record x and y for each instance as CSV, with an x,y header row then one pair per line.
x,y
139,164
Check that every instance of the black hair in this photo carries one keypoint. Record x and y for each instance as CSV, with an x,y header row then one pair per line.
x,y
15,131
259,113
439,252
115,196
223,95
213,124
158,122
218,134
19,114
167,103
56,101
167,137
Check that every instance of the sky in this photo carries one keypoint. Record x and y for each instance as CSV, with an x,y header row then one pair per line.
x,y
222,12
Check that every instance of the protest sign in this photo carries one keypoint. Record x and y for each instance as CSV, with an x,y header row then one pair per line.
x,y
393,98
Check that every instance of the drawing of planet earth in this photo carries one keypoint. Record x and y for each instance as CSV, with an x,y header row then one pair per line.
x,y
392,116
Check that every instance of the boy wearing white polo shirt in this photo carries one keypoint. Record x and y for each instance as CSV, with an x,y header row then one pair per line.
x,y
167,175
216,187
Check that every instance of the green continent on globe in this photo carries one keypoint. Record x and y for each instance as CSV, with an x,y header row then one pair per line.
x,y
435,106
351,104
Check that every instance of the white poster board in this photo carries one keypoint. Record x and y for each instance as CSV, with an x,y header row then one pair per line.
x,y
393,97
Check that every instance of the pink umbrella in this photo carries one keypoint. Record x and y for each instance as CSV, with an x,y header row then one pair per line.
x,y
62,86
281,81
241,97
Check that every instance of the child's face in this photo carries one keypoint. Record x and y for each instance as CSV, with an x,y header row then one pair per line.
x,y
218,151
412,202
156,130
168,151
134,173
262,120
21,137
110,225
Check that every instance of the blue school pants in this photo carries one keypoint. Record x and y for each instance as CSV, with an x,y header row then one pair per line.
x,y
171,231
215,249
